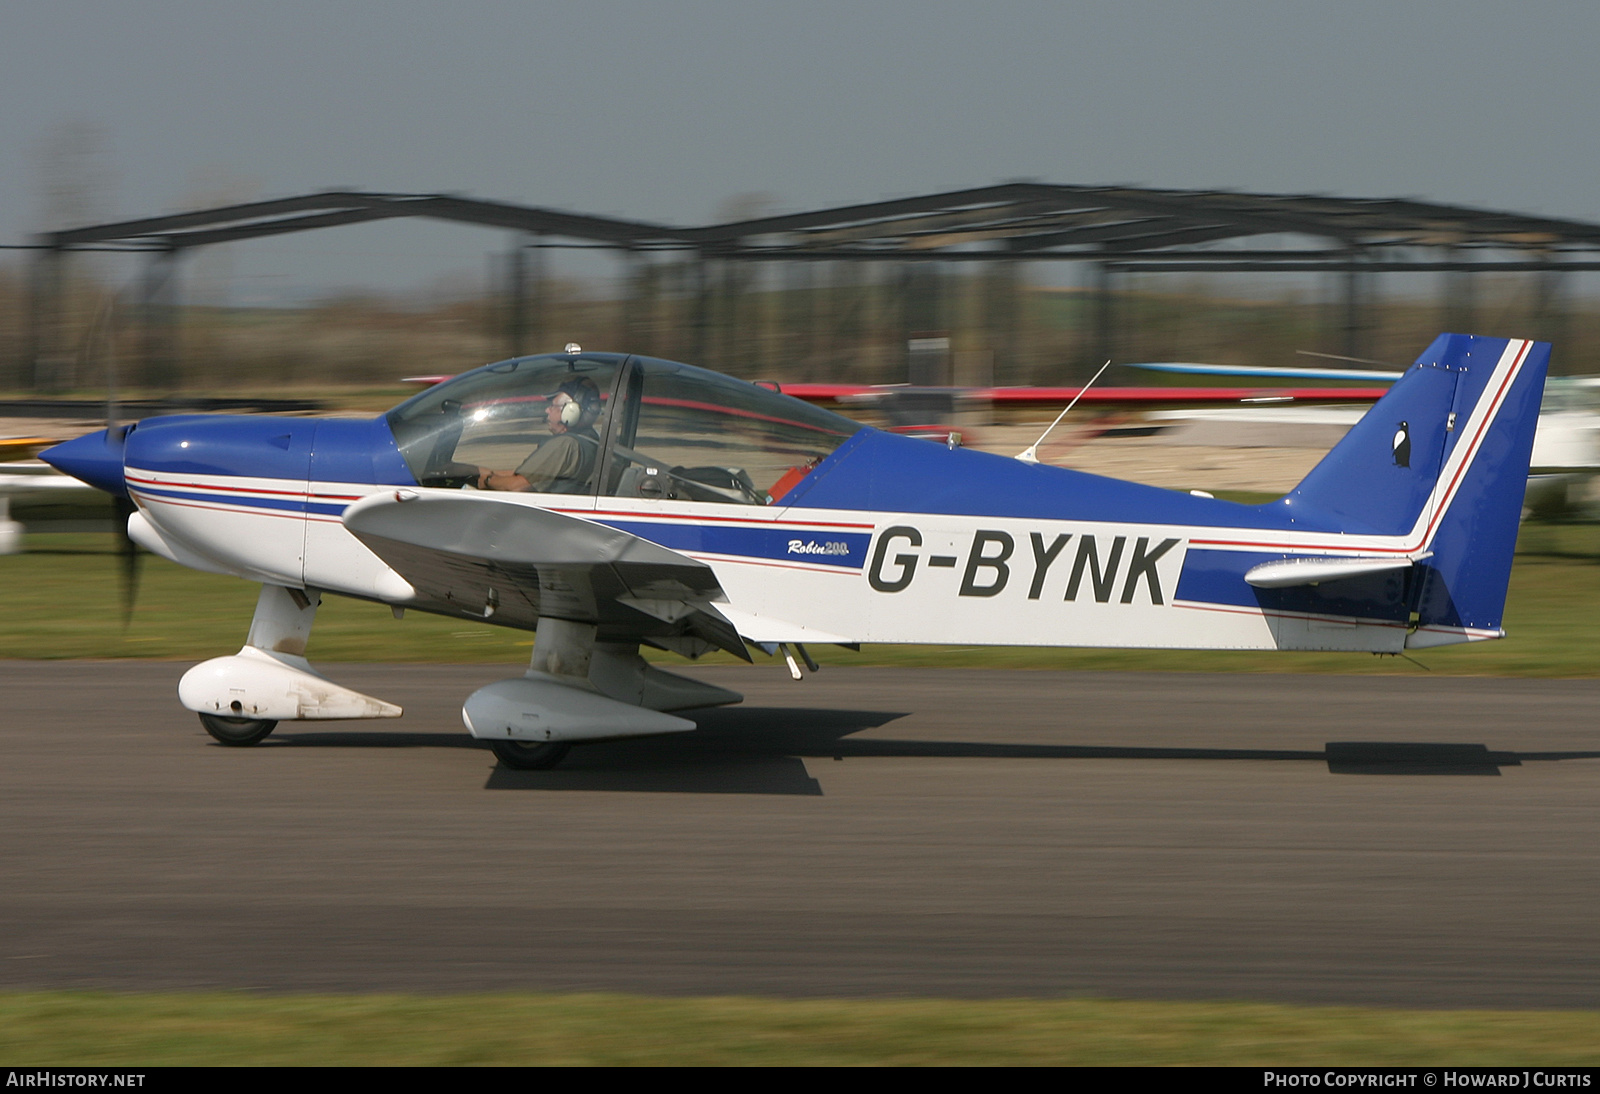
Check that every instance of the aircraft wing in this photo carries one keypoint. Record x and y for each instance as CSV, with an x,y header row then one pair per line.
x,y
1368,375
1136,398
497,557
32,478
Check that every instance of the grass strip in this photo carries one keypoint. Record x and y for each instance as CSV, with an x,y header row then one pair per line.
x,y
61,599
103,1029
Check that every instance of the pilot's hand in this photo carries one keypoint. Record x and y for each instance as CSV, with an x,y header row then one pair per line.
x,y
502,480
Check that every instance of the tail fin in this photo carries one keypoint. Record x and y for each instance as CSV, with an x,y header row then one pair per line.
x,y
1442,462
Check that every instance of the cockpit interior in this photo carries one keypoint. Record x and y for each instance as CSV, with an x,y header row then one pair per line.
x,y
661,430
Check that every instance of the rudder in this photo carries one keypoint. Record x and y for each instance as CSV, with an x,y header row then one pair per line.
x,y
1471,529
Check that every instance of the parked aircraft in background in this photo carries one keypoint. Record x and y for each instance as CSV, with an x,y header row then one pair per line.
x,y
1566,445
34,480
606,501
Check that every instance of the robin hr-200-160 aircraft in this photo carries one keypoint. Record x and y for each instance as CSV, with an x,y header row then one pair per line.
x,y
607,501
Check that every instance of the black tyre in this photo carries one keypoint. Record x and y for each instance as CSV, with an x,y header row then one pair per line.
x,y
237,732
529,756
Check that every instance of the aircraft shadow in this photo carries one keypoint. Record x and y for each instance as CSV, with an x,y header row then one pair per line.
x,y
750,750
741,757
759,750
815,734
368,739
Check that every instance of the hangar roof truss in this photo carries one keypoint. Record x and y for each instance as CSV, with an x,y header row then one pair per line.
x,y
1020,220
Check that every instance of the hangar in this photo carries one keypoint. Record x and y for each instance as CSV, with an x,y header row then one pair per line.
x,y
693,274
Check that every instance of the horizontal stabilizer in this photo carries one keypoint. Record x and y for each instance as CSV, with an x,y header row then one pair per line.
x,y
1288,572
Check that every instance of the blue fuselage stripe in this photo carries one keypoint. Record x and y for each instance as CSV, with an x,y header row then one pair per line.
x,y
847,550
285,505
293,505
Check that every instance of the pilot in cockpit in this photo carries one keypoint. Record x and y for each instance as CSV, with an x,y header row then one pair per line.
x,y
564,462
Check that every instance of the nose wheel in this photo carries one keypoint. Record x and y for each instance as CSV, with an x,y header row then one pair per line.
x,y
237,732
527,755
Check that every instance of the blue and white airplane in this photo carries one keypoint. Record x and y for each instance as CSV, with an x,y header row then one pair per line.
x,y
607,501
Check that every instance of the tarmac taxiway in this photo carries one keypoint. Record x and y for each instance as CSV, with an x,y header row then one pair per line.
x,y
1394,840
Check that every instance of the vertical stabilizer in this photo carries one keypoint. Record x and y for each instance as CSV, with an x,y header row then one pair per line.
x,y
1442,462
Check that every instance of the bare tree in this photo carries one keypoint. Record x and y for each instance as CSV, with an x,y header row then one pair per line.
x,y
75,175
75,182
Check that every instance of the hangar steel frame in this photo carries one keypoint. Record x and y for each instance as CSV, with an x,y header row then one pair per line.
x,y
1114,230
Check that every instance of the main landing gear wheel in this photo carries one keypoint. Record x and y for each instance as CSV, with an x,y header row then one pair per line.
x,y
237,732
529,756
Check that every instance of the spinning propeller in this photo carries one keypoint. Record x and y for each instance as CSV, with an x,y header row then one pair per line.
x,y
129,553
116,437
122,507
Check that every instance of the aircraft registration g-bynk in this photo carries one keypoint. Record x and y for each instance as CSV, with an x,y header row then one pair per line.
x,y
607,501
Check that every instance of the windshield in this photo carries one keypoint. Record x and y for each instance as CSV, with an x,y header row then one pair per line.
x,y
702,436
536,421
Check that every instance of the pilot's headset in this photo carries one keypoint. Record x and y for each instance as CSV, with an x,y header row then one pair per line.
x,y
582,407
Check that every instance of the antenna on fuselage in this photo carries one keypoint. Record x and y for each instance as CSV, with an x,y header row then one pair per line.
x,y
1031,453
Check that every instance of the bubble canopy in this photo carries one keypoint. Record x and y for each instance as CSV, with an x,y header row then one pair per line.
x,y
615,425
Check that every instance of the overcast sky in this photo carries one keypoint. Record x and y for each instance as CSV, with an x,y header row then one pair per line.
x,y
663,110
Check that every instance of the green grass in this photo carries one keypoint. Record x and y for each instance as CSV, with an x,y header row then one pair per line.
x,y
94,1029
61,599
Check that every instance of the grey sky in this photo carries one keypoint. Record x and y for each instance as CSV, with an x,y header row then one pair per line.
x,y
662,110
